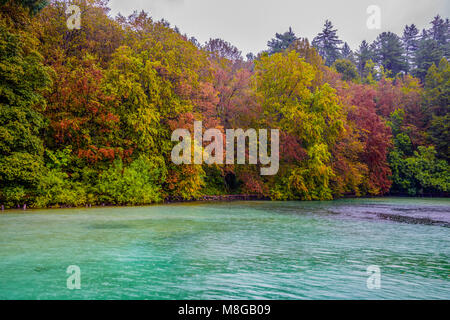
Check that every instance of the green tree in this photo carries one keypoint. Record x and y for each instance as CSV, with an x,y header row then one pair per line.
x,y
327,43
437,102
389,52
363,55
440,32
33,5
347,69
281,42
415,172
429,52
24,78
136,184
410,41
347,53
312,116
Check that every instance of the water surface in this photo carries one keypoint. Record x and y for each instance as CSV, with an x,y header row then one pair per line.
x,y
239,250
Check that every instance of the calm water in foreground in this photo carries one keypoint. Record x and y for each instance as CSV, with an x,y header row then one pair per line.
x,y
239,250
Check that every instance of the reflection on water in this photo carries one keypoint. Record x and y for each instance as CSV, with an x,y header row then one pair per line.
x,y
240,250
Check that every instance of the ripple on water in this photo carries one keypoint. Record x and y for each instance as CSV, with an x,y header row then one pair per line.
x,y
244,250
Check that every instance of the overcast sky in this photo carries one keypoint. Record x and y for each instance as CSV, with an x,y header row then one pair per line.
x,y
249,24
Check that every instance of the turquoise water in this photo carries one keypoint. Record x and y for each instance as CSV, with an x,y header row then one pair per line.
x,y
239,250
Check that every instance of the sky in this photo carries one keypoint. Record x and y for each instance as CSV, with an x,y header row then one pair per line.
x,y
249,24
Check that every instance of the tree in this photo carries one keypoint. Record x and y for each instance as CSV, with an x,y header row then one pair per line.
x,y
389,52
313,118
309,53
33,5
363,55
346,68
410,41
24,79
281,41
99,35
347,53
223,49
327,43
437,96
421,173
428,53
440,32
373,133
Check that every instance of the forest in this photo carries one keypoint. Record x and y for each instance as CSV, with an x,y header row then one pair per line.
x,y
86,115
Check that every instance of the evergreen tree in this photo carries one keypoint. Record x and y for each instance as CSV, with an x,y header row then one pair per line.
x,y
327,44
410,40
347,53
440,32
281,41
389,52
428,53
363,55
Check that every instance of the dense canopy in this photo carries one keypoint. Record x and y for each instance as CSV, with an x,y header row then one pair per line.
x,y
86,115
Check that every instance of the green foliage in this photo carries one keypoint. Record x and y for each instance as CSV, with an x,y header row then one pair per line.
x,y
415,172
389,52
437,102
281,41
283,83
428,53
136,184
419,174
327,43
33,5
56,189
24,78
347,69
363,55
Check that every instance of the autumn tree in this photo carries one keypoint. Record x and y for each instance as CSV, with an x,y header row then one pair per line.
x,y
24,80
311,117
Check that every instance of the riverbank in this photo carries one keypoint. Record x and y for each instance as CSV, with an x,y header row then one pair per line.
x,y
223,198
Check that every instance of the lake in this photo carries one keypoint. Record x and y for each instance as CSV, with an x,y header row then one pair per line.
x,y
235,250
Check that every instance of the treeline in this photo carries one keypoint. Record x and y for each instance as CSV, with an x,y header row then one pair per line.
x,y
86,115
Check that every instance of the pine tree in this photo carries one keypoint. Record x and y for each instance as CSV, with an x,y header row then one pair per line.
x,y
410,44
281,41
363,55
327,43
440,32
389,52
428,53
347,53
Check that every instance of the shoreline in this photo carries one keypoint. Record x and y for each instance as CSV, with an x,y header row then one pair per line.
x,y
221,198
